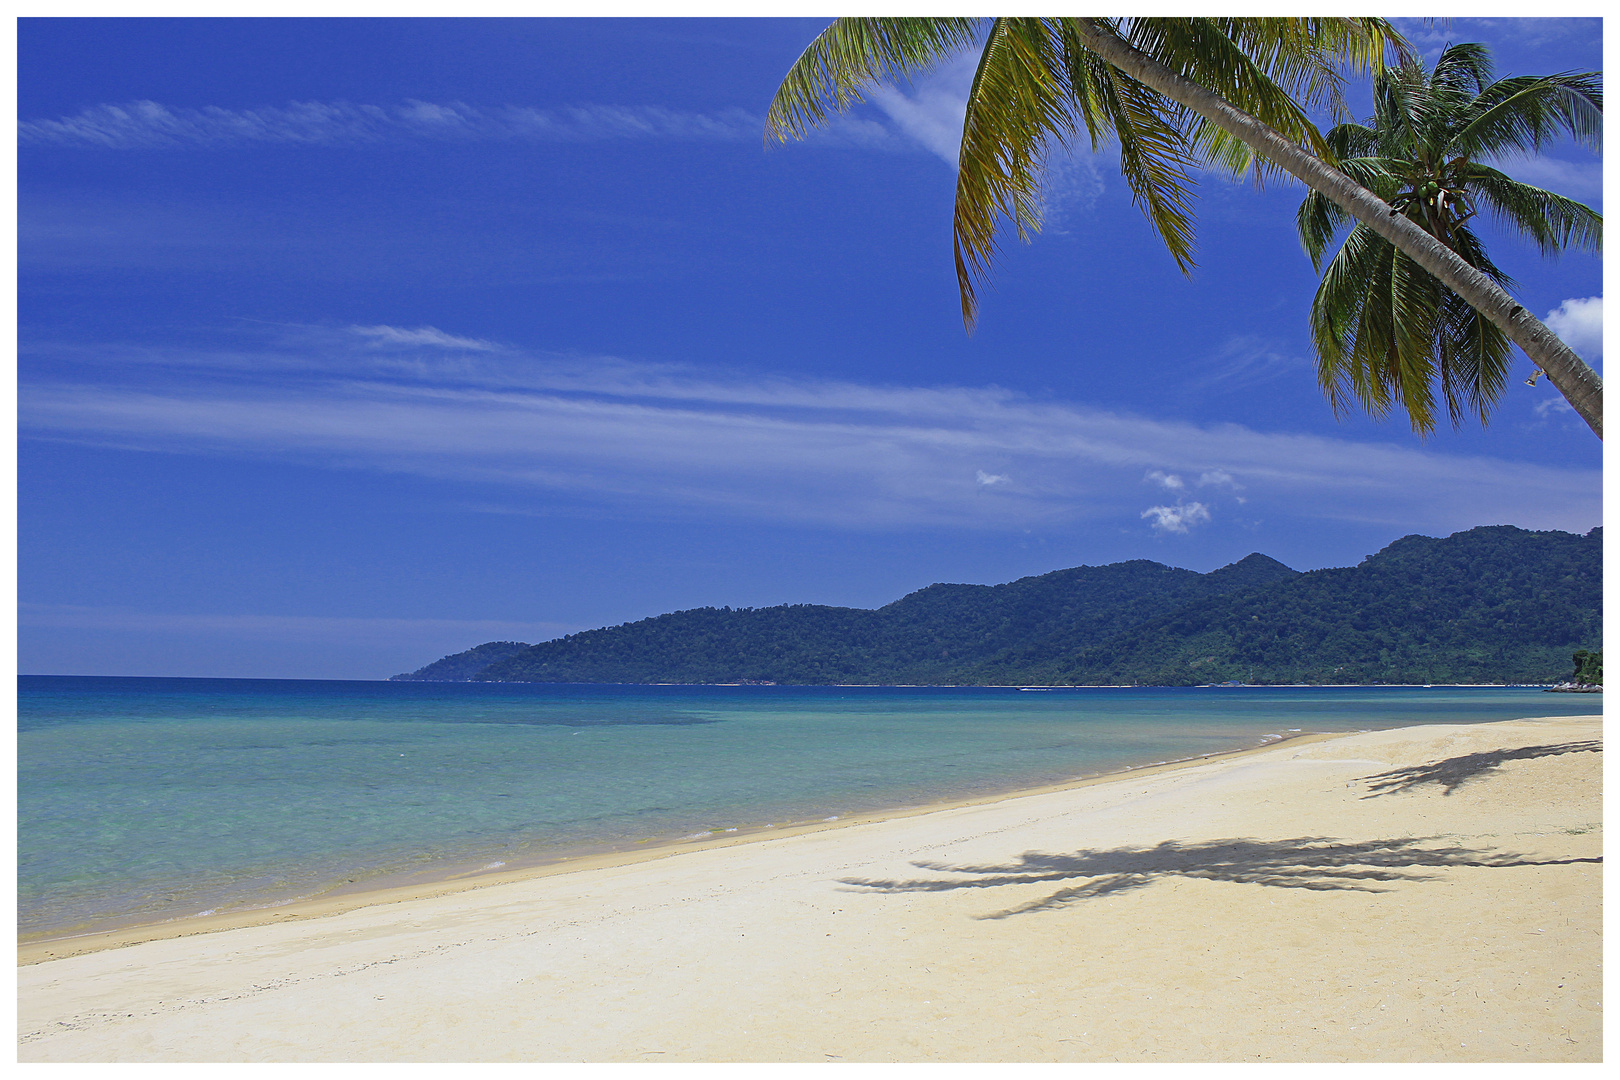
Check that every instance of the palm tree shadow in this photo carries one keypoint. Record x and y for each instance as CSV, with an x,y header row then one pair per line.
x,y
1308,862
1457,771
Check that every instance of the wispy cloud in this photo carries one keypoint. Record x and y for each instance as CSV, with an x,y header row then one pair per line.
x,y
696,441
303,628
932,112
145,125
1573,179
1551,406
472,246
934,120
1071,186
1431,35
422,335
1247,359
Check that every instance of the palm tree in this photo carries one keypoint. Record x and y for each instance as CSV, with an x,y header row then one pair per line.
x,y
1175,93
1385,327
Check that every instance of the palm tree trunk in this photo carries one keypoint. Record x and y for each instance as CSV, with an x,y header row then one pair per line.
x,y
1579,384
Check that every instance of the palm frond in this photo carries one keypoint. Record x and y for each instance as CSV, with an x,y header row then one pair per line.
x,y
1156,161
1467,244
1017,107
1386,333
1204,51
853,55
1352,141
1319,220
1523,114
1396,102
1415,303
1035,87
1463,69
1275,68
1552,221
1376,174
1349,285
1475,360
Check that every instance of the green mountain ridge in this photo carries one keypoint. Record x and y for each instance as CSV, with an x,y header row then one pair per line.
x,y
1492,604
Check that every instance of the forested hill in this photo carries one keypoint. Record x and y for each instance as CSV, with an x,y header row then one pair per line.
x,y
927,636
1493,604
462,666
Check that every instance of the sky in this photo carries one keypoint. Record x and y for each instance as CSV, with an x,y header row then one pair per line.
x,y
346,344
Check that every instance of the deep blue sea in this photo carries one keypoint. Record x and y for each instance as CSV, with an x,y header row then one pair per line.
x,y
141,800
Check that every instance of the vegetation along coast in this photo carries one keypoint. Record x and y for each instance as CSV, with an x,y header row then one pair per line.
x,y
1495,604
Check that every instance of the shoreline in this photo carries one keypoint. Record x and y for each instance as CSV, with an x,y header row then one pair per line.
x,y
1413,894
349,865
975,686
47,946
839,686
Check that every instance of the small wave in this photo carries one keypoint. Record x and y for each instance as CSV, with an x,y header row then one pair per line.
x,y
494,866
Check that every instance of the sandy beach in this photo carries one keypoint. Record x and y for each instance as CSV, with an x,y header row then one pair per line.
x,y
1419,894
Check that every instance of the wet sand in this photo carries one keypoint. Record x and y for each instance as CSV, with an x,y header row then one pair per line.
x,y
1422,894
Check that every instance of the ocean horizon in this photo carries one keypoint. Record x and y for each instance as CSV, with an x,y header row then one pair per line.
x,y
142,800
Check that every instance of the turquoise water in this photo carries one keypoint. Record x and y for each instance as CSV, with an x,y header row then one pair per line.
x,y
148,799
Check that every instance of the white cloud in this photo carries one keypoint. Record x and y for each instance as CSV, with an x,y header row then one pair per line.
x,y
147,124
1177,518
990,479
674,440
422,335
1580,324
1218,478
1168,481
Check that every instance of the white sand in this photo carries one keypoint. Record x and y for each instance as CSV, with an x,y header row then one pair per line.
x,y
1268,906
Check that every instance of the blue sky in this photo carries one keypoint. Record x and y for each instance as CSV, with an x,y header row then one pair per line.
x,y
348,344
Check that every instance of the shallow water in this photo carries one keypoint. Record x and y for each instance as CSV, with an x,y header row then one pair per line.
x,y
147,799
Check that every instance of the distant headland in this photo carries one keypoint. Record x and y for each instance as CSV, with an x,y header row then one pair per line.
x,y
1494,604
